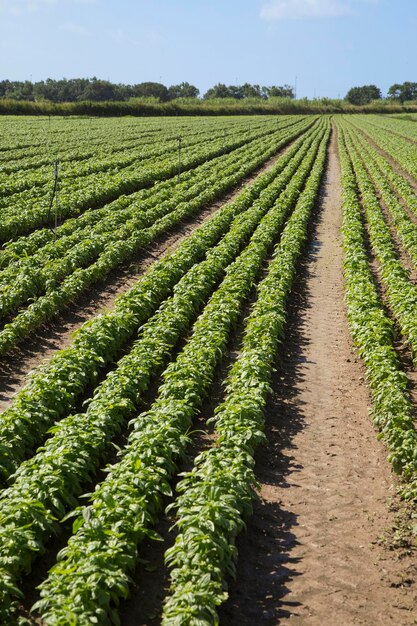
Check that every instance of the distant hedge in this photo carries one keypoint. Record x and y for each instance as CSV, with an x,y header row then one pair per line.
x,y
135,108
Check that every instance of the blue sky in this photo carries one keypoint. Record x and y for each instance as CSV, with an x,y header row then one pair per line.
x,y
326,46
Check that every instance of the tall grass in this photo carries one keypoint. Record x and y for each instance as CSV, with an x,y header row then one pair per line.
x,y
190,106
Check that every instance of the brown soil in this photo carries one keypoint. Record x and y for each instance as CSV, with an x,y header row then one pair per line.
x,y
318,548
40,348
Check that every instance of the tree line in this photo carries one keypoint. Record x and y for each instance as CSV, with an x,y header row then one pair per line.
x,y
403,92
97,90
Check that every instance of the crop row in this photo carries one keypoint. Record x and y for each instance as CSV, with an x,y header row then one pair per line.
x,y
53,390
131,496
69,146
373,332
43,245
161,191
22,139
23,135
125,207
47,396
86,156
120,247
26,212
399,149
402,128
50,481
391,187
68,153
42,194
95,138
401,293
151,152
402,187
43,271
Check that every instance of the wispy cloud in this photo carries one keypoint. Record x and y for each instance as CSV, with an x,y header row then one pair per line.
x,y
302,9
123,38
75,29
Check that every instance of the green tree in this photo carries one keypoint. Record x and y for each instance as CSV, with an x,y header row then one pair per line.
x,y
238,92
251,91
283,91
403,92
99,91
183,90
48,89
147,90
218,91
16,90
363,95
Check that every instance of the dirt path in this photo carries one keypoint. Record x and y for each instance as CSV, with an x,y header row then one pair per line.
x,y
314,552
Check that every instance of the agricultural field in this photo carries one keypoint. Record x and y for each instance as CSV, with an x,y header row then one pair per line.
x,y
208,332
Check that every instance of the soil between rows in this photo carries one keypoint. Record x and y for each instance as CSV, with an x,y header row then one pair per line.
x,y
318,548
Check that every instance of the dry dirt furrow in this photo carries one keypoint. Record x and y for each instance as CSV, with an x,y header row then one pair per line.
x,y
314,552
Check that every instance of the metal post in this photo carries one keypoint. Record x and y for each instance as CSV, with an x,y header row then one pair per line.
x,y
179,158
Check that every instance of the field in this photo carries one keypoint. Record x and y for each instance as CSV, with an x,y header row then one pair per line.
x,y
208,386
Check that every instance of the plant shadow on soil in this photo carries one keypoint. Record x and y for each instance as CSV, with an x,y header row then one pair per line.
x,y
265,565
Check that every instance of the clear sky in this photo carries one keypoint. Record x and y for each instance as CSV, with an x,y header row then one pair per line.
x,y
324,46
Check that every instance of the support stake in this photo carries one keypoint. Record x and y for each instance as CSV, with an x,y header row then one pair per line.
x,y
179,158
54,197
56,193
